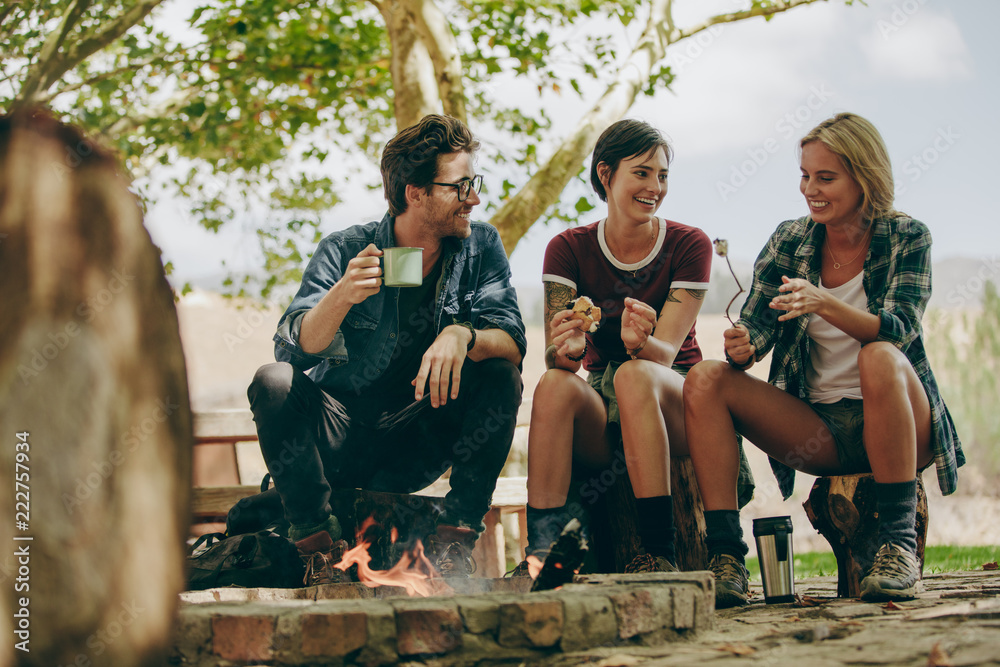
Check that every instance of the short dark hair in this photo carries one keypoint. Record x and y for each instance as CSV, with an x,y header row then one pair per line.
x,y
623,140
411,157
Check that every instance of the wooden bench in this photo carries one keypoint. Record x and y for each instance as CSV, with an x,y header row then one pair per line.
x,y
210,503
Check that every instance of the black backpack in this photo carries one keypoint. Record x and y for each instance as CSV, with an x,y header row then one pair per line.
x,y
253,552
261,559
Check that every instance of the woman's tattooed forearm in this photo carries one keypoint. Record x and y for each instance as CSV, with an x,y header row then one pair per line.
x,y
696,294
557,296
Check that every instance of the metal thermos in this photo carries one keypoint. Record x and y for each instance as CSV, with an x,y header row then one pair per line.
x,y
774,551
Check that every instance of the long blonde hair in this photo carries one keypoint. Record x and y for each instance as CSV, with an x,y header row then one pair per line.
x,y
859,145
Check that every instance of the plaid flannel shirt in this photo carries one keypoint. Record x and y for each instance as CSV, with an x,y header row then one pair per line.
x,y
897,282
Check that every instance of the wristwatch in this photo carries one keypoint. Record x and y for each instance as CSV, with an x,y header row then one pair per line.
x,y
472,330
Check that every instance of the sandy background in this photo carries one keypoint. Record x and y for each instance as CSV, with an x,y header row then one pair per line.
x,y
224,344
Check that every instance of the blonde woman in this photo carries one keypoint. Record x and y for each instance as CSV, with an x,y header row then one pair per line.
x,y
837,297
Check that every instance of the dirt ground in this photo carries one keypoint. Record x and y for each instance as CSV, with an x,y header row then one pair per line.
x,y
224,345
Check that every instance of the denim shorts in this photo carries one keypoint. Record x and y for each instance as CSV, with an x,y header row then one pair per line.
x,y
846,421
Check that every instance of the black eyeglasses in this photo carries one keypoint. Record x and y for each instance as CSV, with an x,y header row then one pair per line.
x,y
465,187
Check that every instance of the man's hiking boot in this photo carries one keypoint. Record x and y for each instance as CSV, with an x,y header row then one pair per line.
x,y
647,563
450,550
732,582
894,575
319,554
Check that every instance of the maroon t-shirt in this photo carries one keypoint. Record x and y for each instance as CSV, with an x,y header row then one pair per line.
x,y
579,258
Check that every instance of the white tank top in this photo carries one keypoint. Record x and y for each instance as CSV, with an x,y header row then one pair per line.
x,y
833,370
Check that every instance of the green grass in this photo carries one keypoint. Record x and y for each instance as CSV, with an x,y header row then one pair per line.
x,y
936,559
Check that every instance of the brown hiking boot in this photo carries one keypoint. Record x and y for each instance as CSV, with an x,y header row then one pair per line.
x,y
647,563
732,582
319,554
895,575
450,550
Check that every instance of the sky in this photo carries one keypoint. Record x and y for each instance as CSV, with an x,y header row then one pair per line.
x,y
925,72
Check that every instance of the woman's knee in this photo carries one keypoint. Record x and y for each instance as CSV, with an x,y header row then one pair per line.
x,y
704,381
633,375
882,365
558,388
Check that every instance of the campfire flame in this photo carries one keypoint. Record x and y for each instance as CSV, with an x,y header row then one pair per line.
x,y
414,571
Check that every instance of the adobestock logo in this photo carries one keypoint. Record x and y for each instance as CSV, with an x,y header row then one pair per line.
x,y
920,163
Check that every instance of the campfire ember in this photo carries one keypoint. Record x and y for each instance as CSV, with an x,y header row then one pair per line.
x,y
414,572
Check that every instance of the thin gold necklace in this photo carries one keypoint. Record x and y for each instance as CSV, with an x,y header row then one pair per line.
x,y
836,264
652,242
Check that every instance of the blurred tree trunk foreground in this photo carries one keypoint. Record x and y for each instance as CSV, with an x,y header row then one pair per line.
x,y
94,411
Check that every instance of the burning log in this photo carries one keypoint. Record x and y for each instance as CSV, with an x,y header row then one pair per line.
x,y
413,571
564,560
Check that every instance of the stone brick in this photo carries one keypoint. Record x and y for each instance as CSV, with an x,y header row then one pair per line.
x,y
381,647
334,634
480,615
343,592
243,638
192,634
684,605
428,627
589,621
641,611
534,623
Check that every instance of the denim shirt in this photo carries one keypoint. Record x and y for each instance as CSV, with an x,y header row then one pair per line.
x,y
474,287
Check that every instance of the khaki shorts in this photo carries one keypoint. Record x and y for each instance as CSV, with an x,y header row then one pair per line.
x,y
846,421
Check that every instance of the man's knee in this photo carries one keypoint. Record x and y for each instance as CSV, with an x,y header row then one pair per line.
x,y
270,386
500,378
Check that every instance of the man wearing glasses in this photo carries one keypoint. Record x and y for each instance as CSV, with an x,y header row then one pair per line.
x,y
402,383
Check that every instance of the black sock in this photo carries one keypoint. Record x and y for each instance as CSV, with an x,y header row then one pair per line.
x,y
544,528
724,535
896,504
656,526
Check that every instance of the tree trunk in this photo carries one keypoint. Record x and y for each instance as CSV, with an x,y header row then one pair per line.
x,y
843,510
93,385
614,526
413,78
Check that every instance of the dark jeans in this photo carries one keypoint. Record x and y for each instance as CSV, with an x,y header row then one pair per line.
x,y
311,444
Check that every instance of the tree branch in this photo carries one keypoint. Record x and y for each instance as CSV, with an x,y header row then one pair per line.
x,y
165,109
52,66
48,60
520,212
782,6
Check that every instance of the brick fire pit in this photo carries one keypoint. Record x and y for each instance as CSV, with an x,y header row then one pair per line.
x,y
486,620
